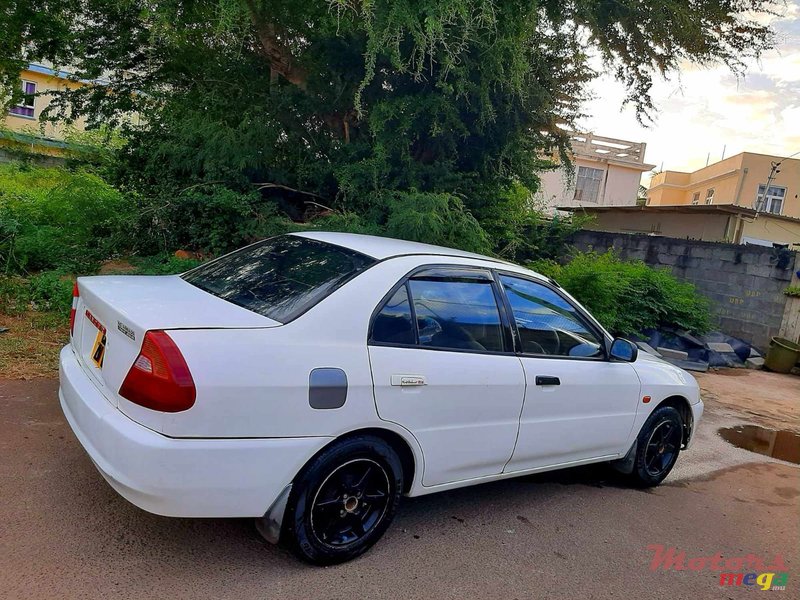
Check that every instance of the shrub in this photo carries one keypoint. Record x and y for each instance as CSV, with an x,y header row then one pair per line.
x,y
46,291
212,219
628,297
163,264
519,230
53,218
439,219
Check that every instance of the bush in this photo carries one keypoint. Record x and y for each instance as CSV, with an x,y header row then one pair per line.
x,y
53,218
628,297
212,219
47,291
162,264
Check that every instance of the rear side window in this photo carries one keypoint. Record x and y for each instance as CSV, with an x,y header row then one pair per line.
x,y
281,277
393,325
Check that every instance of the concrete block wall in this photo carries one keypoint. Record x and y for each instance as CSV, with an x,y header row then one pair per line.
x,y
744,283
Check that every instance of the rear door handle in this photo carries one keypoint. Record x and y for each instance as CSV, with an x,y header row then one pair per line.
x,y
408,380
547,380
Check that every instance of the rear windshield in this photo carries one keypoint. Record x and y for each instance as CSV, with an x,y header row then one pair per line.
x,y
281,277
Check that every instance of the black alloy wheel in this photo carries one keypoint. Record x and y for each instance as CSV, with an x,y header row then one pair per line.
x,y
343,500
350,502
657,447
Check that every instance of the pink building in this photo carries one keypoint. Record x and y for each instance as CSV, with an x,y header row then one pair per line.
x,y
607,171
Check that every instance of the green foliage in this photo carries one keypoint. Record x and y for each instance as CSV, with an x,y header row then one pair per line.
x,y
434,219
424,118
628,297
55,218
162,264
51,291
792,290
212,219
46,291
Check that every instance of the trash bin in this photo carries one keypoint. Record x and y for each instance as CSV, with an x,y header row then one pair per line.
x,y
782,355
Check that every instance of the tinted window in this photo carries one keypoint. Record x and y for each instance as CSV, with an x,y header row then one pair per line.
x,y
457,313
547,323
393,324
281,277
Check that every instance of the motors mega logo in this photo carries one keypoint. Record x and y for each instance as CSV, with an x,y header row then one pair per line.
x,y
749,570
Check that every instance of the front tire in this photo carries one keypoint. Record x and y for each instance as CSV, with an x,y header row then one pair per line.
x,y
657,447
344,500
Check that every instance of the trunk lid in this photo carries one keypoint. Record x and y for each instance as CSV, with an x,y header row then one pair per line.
x,y
114,312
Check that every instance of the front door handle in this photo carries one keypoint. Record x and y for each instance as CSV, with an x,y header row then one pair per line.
x,y
547,380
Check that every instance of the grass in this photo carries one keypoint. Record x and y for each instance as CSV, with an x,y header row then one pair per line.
x,y
30,347
35,310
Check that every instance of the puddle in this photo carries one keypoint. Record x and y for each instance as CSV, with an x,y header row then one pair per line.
x,y
782,444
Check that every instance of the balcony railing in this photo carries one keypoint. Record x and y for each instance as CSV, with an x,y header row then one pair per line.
x,y
600,147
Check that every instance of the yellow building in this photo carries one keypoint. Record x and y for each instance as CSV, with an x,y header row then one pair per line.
x,y
714,223
23,130
739,180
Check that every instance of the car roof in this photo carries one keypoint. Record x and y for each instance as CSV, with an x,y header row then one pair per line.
x,y
382,247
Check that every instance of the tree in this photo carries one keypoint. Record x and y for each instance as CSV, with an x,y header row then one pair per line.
x,y
434,112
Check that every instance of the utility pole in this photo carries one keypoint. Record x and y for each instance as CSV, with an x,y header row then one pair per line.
x,y
772,173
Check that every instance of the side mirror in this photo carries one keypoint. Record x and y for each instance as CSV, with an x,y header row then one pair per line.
x,y
624,350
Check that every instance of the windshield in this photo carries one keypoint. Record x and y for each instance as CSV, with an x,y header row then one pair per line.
x,y
281,277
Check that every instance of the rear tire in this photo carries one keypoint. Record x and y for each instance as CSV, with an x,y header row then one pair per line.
x,y
343,501
657,447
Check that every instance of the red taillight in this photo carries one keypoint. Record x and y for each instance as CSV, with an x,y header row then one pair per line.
x,y
75,295
159,378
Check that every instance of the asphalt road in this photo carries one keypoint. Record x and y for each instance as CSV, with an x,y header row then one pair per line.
x,y
574,534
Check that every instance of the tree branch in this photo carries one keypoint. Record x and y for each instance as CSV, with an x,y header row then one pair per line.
x,y
280,57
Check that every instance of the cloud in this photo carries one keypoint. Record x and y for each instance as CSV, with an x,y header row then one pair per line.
x,y
703,110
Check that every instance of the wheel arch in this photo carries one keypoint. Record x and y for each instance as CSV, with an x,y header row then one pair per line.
x,y
409,455
681,404
398,443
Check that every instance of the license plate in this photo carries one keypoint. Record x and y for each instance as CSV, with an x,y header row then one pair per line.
x,y
99,347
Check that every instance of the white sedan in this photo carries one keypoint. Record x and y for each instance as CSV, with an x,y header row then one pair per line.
x,y
311,380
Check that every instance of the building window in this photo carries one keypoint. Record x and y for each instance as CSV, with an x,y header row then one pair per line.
x,y
28,103
696,198
773,203
709,195
587,187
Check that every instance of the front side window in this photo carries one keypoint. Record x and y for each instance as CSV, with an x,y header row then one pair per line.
x,y
547,323
773,201
281,277
26,107
587,187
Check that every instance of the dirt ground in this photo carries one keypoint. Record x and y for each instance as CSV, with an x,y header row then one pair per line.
x,y
770,399
577,533
30,347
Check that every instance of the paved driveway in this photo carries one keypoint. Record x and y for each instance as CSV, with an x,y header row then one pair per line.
x,y
575,534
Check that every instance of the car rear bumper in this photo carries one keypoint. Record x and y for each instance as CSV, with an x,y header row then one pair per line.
x,y
177,477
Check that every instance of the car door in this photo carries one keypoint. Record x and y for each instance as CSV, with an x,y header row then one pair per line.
x,y
578,404
443,367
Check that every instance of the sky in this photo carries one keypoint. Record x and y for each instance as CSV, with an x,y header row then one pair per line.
x,y
702,111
